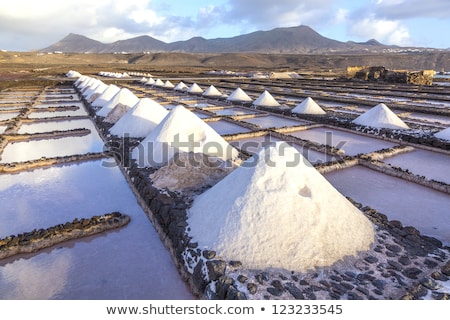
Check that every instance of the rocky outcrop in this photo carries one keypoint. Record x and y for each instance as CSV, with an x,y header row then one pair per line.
x,y
424,77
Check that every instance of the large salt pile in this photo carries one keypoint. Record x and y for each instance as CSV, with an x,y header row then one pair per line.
x,y
89,85
106,96
181,86
123,97
140,120
444,134
381,116
80,80
181,131
308,106
100,85
189,172
212,92
96,92
239,95
195,89
266,100
276,210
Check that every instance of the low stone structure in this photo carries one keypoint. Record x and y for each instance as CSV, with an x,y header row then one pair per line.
x,y
379,73
43,238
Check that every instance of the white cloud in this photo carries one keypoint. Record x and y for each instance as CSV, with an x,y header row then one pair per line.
x,y
385,31
341,16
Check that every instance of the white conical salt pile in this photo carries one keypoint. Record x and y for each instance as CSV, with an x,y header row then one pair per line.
x,y
158,83
181,86
80,80
181,131
444,134
266,100
84,83
96,92
91,89
381,116
124,97
276,210
239,95
195,89
143,80
308,106
168,85
140,120
212,92
89,85
107,95
73,74
150,82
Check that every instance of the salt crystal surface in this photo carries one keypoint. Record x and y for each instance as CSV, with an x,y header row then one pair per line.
x,y
239,95
212,92
308,106
140,120
181,131
195,88
277,211
107,95
266,100
124,96
181,86
444,134
380,116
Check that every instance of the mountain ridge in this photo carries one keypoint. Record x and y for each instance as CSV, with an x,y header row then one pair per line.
x,y
300,39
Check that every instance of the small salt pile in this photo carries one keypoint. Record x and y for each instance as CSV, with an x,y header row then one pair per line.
x,y
380,116
308,106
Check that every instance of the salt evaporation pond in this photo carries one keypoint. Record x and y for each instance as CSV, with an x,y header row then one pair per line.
x,y
351,143
410,203
8,115
234,112
59,147
225,127
128,263
64,113
63,125
59,104
254,144
433,165
271,121
201,115
2,129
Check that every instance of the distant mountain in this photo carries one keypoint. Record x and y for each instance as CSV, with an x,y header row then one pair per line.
x,y
301,39
76,43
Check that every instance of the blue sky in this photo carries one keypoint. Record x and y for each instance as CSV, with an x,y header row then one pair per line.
x,y
28,24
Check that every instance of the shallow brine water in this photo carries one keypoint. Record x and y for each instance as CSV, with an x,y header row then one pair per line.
x,y
234,112
412,204
59,147
351,143
128,263
271,121
224,127
63,125
8,115
432,165
64,113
